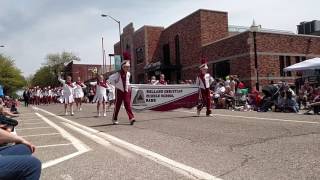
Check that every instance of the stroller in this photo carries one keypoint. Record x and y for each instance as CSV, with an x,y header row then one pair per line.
x,y
271,94
241,97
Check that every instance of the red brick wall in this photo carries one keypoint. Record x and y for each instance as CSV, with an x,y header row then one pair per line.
x,y
188,30
139,42
153,37
280,43
82,71
214,26
231,46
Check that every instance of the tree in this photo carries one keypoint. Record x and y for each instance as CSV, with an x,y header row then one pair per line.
x,y
10,76
44,77
54,65
58,61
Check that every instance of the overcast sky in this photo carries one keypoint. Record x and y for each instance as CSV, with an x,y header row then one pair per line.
x,y
30,29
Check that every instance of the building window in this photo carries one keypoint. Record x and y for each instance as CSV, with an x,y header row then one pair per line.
x,y
282,65
288,63
285,61
221,69
297,59
140,55
177,47
166,54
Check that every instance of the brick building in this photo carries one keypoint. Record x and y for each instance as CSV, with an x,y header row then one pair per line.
x,y
255,54
84,71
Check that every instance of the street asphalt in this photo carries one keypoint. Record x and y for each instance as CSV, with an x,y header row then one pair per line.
x,y
173,145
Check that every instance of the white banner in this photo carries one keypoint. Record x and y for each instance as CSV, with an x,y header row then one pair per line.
x,y
163,97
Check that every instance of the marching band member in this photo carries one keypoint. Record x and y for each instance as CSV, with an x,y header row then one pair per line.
x,y
78,93
123,90
204,80
68,99
38,95
50,94
101,94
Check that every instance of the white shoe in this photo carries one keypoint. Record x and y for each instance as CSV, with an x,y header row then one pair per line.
x,y
72,113
115,122
198,112
66,113
209,115
80,109
104,114
99,114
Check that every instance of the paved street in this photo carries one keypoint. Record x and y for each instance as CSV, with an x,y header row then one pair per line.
x,y
173,145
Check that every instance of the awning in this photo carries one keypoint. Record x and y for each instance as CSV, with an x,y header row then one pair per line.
x,y
310,64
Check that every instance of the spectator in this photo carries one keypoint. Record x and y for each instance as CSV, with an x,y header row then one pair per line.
x,y
218,93
153,80
26,97
254,100
5,112
305,95
315,103
228,98
162,80
16,161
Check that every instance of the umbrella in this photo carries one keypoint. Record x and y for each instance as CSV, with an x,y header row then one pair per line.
x,y
310,64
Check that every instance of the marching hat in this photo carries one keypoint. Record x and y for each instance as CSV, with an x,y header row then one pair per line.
x,y
203,63
126,59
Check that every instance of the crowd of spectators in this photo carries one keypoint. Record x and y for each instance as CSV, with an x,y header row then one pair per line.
x,y
232,93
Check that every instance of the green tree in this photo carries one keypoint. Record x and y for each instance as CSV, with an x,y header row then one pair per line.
x,y
10,76
44,77
58,61
54,65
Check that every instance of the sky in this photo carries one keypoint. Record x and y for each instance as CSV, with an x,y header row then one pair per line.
x,y
31,29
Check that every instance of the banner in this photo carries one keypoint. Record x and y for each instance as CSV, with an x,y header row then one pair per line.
x,y
163,97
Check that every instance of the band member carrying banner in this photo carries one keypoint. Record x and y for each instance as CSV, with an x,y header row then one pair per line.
x,y
204,80
123,90
68,89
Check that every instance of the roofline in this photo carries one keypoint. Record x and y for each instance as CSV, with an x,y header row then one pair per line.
x,y
199,10
147,26
261,31
287,34
209,43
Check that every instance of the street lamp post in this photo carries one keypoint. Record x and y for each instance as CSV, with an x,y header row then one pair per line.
x,y
254,29
119,27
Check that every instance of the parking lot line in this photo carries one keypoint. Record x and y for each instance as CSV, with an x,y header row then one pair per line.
x,y
44,127
100,141
259,118
54,145
35,135
35,123
178,167
79,145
